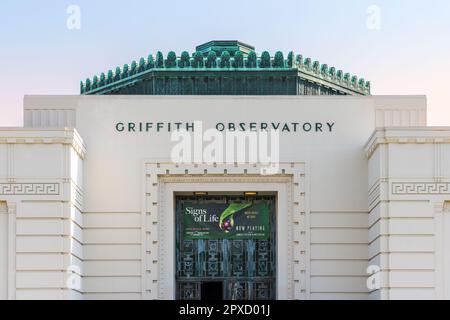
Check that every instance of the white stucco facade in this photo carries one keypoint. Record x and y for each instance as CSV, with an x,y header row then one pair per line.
x,y
87,210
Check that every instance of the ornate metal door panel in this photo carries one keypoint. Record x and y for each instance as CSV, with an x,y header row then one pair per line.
x,y
247,268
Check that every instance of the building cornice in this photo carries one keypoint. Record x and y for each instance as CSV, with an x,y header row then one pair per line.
x,y
65,136
402,135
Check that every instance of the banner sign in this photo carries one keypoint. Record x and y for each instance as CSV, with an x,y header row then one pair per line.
x,y
226,221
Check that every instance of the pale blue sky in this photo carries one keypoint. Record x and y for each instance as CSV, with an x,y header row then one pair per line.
x,y
408,55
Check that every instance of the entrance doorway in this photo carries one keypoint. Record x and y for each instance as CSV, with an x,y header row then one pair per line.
x,y
211,291
228,268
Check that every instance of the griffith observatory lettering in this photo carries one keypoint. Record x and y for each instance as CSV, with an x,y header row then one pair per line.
x,y
282,127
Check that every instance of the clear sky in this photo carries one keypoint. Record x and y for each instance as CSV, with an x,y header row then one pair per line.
x,y
401,46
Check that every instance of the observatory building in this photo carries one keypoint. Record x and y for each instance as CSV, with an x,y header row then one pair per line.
x,y
227,173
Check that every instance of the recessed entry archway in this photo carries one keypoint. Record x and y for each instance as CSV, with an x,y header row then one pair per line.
x,y
165,182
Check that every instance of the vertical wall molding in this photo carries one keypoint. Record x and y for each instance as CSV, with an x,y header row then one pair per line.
x,y
437,161
440,246
12,210
442,219
10,162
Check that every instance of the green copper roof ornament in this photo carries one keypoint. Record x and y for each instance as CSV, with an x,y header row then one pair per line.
x,y
198,60
110,76
95,82
332,72
102,79
251,59
347,77
361,83
150,62
171,61
316,66
211,59
308,63
291,59
299,60
225,59
125,71
324,69
278,60
141,66
159,60
133,70
238,60
265,60
88,84
117,74
185,60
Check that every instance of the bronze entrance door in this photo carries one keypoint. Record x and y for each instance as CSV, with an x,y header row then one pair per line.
x,y
225,269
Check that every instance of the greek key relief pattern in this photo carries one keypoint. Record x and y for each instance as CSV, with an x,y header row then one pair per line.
x,y
32,189
420,188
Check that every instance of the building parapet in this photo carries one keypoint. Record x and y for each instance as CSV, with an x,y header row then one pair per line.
x,y
402,135
68,136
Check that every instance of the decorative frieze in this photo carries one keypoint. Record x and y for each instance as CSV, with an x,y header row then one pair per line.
x,y
32,189
414,188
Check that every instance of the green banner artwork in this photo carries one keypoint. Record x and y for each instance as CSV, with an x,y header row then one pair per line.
x,y
226,221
